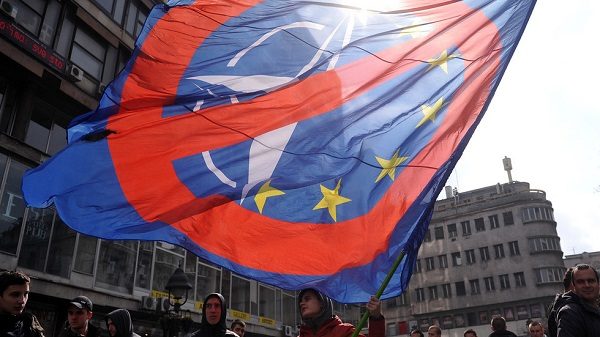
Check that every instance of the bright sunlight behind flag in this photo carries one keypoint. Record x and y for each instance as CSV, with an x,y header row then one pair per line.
x,y
296,143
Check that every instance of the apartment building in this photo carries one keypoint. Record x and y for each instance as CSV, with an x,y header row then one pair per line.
x,y
489,251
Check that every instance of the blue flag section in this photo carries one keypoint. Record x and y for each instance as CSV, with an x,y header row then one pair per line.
x,y
301,144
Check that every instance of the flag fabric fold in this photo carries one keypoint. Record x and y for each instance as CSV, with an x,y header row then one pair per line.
x,y
301,144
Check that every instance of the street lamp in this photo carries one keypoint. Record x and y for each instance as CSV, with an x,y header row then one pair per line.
x,y
178,287
173,321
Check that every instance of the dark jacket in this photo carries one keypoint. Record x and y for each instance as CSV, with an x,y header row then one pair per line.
x,y
502,333
559,302
23,325
122,321
219,329
577,318
92,331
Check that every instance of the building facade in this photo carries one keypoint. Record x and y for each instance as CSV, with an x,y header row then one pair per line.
x,y
591,258
490,251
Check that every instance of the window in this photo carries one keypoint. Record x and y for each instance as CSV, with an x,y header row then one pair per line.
x,y
417,265
167,259
89,53
479,225
443,261
207,281
537,214
513,248
39,17
470,254
460,288
240,294
144,264
508,218
429,263
456,260
433,293
485,253
12,206
47,130
466,227
136,15
475,290
452,232
420,293
289,307
427,236
504,281
115,9
499,250
86,254
114,266
392,329
439,233
543,244
266,301
446,290
549,274
489,283
520,279
494,223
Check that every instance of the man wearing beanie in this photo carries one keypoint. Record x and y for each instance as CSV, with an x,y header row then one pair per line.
x,y
214,318
78,323
318,319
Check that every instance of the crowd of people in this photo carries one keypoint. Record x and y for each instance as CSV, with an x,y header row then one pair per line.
x,y
574,313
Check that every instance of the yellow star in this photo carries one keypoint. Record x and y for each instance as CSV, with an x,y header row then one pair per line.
x,y
331,199
264,192
430,111
389,166
441,61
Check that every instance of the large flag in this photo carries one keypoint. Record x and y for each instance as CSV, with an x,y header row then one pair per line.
x,y
298,143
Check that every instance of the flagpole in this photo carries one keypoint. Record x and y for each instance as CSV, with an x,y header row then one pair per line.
x,y
384,284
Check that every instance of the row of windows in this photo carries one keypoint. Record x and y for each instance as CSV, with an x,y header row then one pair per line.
x,y
465,226
55,24
445,290
549,274
479,317
469,255
537,213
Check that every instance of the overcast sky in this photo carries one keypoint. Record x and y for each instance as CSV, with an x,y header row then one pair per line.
x,y
545,115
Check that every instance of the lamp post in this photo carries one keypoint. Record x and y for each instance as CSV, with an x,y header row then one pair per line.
x,y
178,287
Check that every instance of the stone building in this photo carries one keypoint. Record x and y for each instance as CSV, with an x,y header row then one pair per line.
x,y
489,251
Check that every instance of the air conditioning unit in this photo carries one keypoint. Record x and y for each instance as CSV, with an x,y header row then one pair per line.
x,y
162,304
75,73
148,303
8,8
287,331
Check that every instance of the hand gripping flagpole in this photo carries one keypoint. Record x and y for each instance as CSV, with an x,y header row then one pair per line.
x,y
384,284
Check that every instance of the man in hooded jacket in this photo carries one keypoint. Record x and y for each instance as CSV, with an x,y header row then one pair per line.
x,y
214,318
318,319
119,324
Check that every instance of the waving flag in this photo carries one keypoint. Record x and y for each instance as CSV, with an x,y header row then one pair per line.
x,y
296,143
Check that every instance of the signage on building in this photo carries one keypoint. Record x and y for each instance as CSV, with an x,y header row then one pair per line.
x,y
238,314
22,39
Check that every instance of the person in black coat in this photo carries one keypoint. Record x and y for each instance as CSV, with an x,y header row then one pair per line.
x,y
78,323
214,318
14,293
580,316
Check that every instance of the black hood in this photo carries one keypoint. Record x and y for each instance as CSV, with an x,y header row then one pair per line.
x,y
219,328
122,321
326,310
